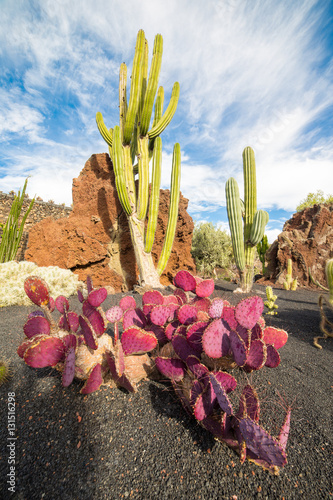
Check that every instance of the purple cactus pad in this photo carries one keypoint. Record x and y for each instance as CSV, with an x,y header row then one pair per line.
x,y
159,315
275,337
171,368
114,314
88,332
185,280
38,325
127,302
205,288
69,368
215,339
97,297
137,341
221,395
187,314
37,290
94,381
45,351
248,311
62,304
273,357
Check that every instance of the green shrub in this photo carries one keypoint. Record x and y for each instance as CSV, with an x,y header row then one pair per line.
x,y
211,248
314,199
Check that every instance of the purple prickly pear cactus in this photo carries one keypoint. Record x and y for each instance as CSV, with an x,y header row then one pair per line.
x,y
205,288
248,311
62,304
44,351
134,317
137,341
94,380
37,290
160,314
215,339
153,297
97,297
127,302
275,337
187,314
37,325
216,308
69,367
171,368
185,280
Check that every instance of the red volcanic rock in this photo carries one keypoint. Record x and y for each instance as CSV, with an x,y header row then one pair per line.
x,y
307,239
95,239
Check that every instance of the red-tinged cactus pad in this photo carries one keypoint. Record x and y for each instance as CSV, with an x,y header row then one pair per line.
x,y
27,343
95,318
256,356
205,288
256,332
69,341
215,340
62,304
37,290
250,402
196,367
94,381
90,336
51,304
171,368
275,337
153,297
238,348
187,314
137,341
194,334
185,281
159,333
127,302
36,313
134,317
69,368
170,299
273,357
259,442
284,433
201,303
221,395
159,315
45,351
37,325
227,381
171,328
119,358
182,347
228,315
248,311
204,404
115,313
180,296
216,308
72,321
97,297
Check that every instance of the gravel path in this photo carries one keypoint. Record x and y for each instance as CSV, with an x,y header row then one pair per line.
x,y
112,445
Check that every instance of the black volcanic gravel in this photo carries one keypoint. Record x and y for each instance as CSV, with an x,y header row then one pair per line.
x,y
112,444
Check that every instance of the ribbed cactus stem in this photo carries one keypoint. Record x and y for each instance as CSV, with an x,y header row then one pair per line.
x,y
250,207
234,210
143,168
122,98
154,195
173,209
329,278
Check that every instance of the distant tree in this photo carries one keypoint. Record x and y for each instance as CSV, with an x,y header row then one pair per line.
x,y
211,248
314,199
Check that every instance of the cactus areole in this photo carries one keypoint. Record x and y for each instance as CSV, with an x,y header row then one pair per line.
x,y
247,224
132,145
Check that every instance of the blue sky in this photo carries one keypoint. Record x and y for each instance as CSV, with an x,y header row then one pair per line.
x,y
251,72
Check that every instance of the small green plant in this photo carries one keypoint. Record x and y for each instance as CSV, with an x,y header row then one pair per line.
x,y
290,283
262,248
314,199
211,248
12,231
245,239
270,302
5,371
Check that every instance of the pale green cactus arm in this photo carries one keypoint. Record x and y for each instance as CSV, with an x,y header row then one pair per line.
x,y
260,220
173,210
168,115
129,176
103,129
250,201
154,195
118,167
144,79
136,85
234,210
158,112
152,85
143,169
122,98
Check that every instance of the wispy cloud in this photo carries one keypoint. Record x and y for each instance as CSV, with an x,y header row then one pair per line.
x,y
251,73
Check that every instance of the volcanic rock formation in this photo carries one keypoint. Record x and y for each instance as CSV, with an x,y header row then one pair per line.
x,y
307,239
95,239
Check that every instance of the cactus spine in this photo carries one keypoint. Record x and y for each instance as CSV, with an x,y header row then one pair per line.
x,y
245,239
133,139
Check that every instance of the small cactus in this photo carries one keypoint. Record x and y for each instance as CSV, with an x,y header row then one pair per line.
x,y
326,325
270,302
290,283
5,371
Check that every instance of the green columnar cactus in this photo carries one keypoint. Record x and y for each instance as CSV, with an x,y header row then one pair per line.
x,y
290,283
270,302
244,240
12,231
133,139
262,248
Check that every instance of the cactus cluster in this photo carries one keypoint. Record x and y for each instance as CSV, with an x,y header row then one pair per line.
x,y
270,302
193,340
262,248
133,139
79,346
290,283
245,239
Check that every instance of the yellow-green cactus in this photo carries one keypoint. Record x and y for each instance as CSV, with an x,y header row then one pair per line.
x,y
270,302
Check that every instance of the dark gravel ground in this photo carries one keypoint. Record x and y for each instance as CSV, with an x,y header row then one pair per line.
x,y
112,444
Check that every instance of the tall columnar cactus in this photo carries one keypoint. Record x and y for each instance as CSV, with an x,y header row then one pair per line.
x,y
247,224
133,139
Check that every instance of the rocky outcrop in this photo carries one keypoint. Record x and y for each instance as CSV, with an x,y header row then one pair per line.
x,y
307,239
95,238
